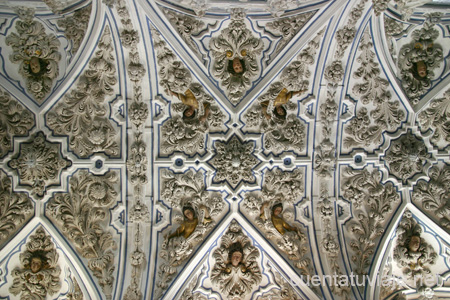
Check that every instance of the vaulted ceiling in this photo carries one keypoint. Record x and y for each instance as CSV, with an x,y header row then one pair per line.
x,y
315,164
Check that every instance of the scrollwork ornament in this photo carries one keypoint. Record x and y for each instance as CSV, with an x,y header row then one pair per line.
x,y
190,294
15,120
235,54
236,270
186,26
406,157
373,202
433,195
287,28
76,293
37,54
418,60
39,273
15,208
283,292
81,214
278,7
186,193
82,114
39,164
412,253
234,162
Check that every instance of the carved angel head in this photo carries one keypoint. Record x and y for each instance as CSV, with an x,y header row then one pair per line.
x,y
188,213
236,66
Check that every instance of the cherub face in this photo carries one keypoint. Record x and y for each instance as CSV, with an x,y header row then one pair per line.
x,y
188,214
280,110
237,66
421,69
277,211
189,112
414,243
236,258
35,65
36,264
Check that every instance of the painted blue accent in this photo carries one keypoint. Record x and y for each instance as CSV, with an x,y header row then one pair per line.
x,y
158,216
157,109
340,210
98,164
358,159
122,110
344,109
306,212
287,161
122,217
179,162
309,108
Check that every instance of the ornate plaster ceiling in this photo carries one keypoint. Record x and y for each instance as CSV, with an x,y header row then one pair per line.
x,y
315,164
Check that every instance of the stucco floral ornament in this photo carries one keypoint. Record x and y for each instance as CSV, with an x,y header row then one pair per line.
x,y
406,157
39,272
235,55
234,162
418,60
39,164
37,54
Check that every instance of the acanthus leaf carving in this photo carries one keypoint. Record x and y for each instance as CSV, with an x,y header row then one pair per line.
x,y
417,61
433,195
15,208
39,164
15,120
81,214
186,193
412,253
83,115
372,203
236,271
39,273
36,52
235,54
75,26
234,162
280,191
437,118
388,115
